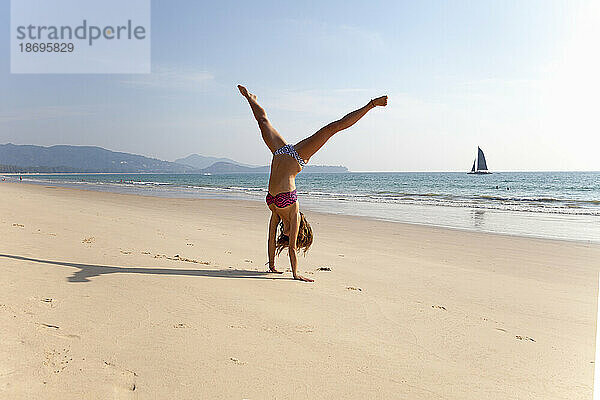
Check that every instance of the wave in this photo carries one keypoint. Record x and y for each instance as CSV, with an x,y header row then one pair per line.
x,y
386,195
514,202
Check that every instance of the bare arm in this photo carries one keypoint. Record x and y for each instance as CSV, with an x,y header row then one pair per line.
x,y
294,226
273,222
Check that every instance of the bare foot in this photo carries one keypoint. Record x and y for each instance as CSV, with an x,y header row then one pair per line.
x,y
380,101
273,270
303,279
246,94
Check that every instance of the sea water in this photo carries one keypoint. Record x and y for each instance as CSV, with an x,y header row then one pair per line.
x,y
559,205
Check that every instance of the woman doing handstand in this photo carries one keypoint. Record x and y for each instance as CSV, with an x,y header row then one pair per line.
x,y
295,231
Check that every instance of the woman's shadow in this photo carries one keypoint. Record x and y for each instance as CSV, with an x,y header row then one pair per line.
x,y
87,271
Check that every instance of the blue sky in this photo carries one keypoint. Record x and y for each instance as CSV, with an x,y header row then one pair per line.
x,y
517,78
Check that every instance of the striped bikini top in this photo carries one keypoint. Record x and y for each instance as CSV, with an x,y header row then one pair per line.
x,y
290,151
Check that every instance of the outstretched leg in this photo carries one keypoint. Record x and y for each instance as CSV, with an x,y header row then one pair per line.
x,y
309,146
272,138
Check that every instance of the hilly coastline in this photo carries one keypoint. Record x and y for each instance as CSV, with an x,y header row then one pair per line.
x,y
93,159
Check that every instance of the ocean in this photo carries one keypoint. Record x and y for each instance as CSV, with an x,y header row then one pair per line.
x,y
557,205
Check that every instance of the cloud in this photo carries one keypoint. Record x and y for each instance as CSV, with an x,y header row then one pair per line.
x,y
318,102
46,112
336,37
175,78
372,38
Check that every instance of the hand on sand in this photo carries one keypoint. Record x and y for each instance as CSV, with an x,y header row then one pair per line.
x,y
245,93
380,101
303,279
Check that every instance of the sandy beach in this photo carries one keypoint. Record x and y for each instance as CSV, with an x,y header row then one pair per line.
x,y
123,296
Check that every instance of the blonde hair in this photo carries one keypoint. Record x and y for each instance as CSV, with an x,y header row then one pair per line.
x,y
303,241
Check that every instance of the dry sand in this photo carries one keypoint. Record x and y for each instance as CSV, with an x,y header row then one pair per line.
x,y
122,296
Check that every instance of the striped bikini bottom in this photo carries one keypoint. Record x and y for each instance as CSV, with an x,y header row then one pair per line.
x,y
282,199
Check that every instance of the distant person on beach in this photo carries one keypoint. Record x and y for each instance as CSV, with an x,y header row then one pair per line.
x,y
288,160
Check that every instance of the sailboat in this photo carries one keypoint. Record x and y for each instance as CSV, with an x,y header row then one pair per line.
x,y
479,165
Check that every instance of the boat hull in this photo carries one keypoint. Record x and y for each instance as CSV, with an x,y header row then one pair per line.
x,y
479,173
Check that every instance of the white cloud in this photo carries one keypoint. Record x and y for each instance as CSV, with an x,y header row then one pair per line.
x,y
46,112
336,37
317,102
171,78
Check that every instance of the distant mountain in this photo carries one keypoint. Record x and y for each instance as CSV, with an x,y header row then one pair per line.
x,y
223,167
229,168
64,158
200,162
11,169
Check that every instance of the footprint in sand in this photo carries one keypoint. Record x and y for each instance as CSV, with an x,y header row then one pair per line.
x,y
55,329
236,361
190,260
145,252
527,338
180,325
125,251
88,240
123,380
45,233
323,269
439,307
354,288
248,261
183,259
18,225
49,301
304,329
50,325
189,244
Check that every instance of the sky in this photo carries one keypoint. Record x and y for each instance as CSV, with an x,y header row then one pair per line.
x,y
519,79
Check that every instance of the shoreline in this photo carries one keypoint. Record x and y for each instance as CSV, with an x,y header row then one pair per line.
x,y
357,172
566,223
151,293
241,202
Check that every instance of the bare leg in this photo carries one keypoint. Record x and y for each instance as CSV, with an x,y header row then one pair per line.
x,y
309,146
272,138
